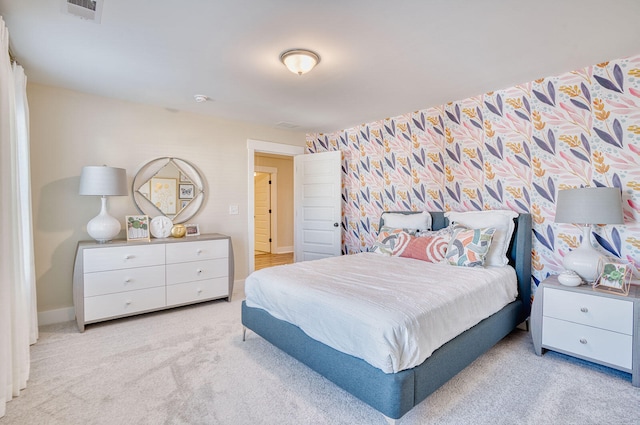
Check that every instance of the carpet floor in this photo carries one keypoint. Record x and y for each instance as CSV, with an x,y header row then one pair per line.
x,y
190,366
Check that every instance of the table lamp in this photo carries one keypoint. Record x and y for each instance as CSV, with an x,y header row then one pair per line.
x,y
587,206
103,181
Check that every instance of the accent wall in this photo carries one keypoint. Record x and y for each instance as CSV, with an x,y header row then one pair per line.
x,y
508,149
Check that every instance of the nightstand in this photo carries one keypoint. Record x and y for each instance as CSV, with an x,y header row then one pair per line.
x,y
597,326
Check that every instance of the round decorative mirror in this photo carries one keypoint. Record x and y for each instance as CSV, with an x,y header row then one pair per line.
x,y
168,186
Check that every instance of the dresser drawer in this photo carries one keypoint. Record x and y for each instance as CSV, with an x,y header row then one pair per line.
x,y
591,343
100,283
123,303
197,270
122,257
197,250
592,310
201,290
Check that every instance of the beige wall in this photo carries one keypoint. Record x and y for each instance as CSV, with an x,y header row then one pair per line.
x,y
285,198
70,130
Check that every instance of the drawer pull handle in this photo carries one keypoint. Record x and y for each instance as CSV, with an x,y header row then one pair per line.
x,y
127,280
127,302
584,309
199,290
583,340
198,271
128,257
199,252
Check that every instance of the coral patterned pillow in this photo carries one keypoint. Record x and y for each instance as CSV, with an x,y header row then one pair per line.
x,y
469,247
425,248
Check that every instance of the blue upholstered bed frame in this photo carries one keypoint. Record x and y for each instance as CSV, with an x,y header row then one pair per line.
x,y
395,394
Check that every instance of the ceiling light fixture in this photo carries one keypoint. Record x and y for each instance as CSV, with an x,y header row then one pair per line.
x,y
299,61
200,98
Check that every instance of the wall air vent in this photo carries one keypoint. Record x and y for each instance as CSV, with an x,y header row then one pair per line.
x,y
90,10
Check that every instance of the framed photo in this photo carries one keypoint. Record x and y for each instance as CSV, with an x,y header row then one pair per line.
x,y
163,194
184,203
192,229
187,191
138,228
614,276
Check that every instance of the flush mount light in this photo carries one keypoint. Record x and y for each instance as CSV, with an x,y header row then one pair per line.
x,y
200,98
299,61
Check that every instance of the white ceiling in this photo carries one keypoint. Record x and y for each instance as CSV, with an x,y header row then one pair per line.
x,y
379,58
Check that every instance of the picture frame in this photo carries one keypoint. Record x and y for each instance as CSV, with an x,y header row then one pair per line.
x,y
164,194
184,203
137,228
192,229
614,276
186,191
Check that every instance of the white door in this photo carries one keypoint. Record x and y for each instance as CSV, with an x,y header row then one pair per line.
x,y
318,205
262,213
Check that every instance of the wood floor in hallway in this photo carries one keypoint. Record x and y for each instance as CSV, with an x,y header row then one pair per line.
x,y
265,259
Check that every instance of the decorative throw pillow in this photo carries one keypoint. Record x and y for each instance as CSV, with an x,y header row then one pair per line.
x,y
387,239
469,247
425,248
501,220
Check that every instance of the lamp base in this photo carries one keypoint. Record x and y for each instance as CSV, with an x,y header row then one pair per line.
x,y
103,227
584,260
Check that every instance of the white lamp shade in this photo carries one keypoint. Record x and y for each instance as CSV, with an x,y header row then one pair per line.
x,y
590,205
103,181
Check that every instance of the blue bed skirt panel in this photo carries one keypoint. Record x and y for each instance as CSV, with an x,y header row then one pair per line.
x,y
389,393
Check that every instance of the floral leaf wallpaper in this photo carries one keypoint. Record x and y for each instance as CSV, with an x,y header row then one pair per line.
x,y
509,149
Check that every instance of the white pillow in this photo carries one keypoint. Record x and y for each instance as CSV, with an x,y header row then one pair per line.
x,y
502,220
420,221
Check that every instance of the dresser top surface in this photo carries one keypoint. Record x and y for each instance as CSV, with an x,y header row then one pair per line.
x,y
552,282
124,242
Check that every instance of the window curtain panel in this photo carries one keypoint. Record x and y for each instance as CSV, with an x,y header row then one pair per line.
x,y
18,312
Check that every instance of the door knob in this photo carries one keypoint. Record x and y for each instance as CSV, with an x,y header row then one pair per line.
x,y
335,225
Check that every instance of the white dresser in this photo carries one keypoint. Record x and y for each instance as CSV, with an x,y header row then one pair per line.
x,y
582,322
120,278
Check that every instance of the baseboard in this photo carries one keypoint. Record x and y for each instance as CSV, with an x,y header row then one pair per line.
x,y
283,250
49,317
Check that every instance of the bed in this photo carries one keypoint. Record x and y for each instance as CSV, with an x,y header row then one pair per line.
x,y
394,393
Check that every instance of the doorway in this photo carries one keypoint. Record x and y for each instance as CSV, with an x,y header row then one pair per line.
x,y
282,222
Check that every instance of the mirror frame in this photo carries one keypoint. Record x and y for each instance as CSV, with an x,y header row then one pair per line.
x,y
150,169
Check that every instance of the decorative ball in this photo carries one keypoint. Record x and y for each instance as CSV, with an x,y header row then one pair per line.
x,y
178,230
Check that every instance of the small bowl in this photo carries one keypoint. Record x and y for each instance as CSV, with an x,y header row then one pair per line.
x,y
569,279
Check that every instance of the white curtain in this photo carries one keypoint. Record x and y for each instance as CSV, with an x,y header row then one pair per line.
x,y
18,314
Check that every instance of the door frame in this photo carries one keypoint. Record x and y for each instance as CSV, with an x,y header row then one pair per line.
x,y
261,146
273,195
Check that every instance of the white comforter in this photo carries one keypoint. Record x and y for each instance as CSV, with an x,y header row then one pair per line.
x,y
392,312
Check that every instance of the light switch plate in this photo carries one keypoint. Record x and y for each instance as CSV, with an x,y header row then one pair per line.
x,y
233,209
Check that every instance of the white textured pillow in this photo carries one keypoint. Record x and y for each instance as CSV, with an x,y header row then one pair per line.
x,y
420,221
501,220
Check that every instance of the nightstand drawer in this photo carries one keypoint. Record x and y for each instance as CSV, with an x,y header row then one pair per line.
x,y
197,270
100,283
123,303
592,310
197,250
197,291
588,342
122,257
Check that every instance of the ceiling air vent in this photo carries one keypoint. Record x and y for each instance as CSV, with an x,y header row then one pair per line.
x,y
91,10
285,124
